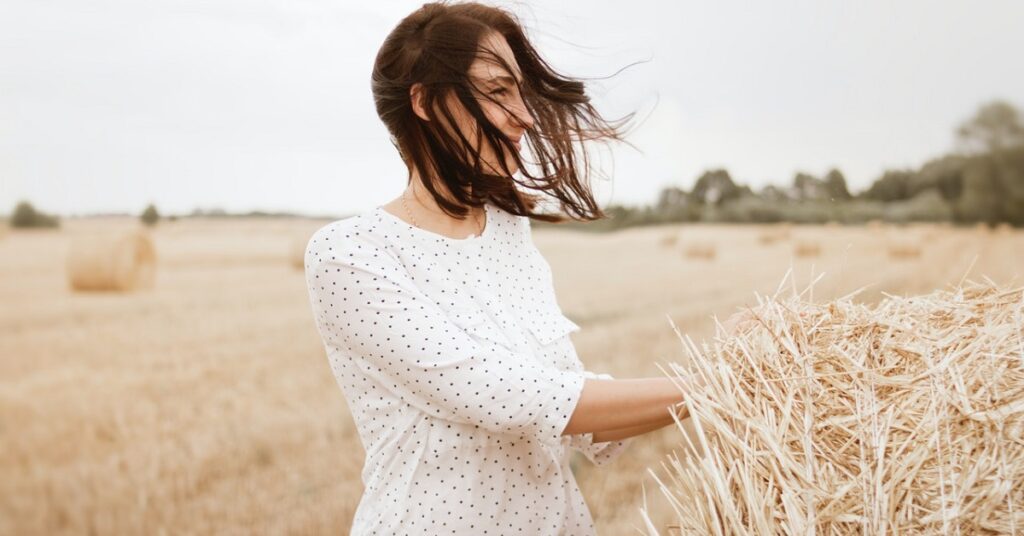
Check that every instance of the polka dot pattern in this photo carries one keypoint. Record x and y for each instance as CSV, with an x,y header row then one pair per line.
x,y
456,362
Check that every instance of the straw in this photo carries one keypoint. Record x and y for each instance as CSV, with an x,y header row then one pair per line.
x,y
904,417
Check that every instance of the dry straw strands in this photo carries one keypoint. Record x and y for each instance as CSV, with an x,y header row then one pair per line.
x,y
906,417
112,261
700,250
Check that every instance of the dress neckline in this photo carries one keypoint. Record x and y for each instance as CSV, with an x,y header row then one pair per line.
x,y
440,237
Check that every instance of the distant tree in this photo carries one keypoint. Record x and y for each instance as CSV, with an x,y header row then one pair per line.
x,y
893,185
993,188
944,174
980,200
675,205
807,187
26,216
773,193
671,197
995,126
715,187
835,186
150,216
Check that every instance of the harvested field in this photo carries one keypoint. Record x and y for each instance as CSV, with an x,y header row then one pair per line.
x,y
206,404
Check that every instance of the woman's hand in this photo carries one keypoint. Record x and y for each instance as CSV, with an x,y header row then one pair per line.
x,y
739,321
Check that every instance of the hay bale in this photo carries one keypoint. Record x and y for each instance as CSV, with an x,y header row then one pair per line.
x,y
771,234
807,248
904,417
297,251
4,226
875,225
669,240
121,261
700,250
1004,228
903,249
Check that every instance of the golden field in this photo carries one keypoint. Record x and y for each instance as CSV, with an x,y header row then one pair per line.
x,y
205,405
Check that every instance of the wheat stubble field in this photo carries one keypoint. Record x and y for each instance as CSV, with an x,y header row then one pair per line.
x,y
205,405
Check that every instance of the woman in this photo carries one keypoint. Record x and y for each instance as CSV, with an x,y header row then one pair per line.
x,y
437,311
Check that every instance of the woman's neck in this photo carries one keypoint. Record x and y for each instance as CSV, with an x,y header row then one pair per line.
x,y
419,196
417,206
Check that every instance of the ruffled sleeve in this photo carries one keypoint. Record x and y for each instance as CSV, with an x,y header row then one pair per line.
x,y
598,453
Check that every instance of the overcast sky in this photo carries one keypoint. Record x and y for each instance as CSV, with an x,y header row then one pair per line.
x,y
108,105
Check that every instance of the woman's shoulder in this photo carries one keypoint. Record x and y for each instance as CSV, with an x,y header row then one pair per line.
x,y
344,236
520,225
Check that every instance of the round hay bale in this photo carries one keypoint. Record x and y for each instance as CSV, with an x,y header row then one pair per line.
x,y
903,249
120,261
875,225
700,250
297,251
3,229
1004,228
807,248
771,234
669,240
902,417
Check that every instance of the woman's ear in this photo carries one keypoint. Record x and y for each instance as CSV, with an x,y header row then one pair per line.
x,y
416,97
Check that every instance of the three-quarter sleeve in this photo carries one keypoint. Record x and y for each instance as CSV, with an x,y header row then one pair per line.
x,y
369,307
598,453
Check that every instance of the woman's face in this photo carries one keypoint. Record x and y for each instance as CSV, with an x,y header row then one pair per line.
x,y
492,80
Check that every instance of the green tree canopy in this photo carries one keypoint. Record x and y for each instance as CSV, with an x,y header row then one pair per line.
x,y
995,126
715,187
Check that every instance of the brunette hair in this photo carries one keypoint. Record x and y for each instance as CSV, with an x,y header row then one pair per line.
x,y
435,46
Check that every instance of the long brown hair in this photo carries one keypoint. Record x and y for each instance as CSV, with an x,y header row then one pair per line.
x,y
435,46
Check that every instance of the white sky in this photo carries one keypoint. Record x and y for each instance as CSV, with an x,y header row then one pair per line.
x,y
108,105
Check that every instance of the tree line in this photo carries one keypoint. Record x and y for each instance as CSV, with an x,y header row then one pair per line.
x,y
980,181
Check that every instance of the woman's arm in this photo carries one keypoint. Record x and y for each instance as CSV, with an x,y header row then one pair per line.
x,y
626,433
624,405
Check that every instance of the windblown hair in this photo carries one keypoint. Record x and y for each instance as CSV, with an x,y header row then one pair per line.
x,y
435,46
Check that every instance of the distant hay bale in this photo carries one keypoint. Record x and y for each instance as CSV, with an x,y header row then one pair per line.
x,y
120,261
903,249
700,250
1004,228
3,229
904,417
771,234
875,225
982,228
807,248
297,251
669,240
927,231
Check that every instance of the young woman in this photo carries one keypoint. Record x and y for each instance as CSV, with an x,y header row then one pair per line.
x,y
438,313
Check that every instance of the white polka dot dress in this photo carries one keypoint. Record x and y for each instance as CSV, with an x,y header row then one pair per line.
x,y
457,365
